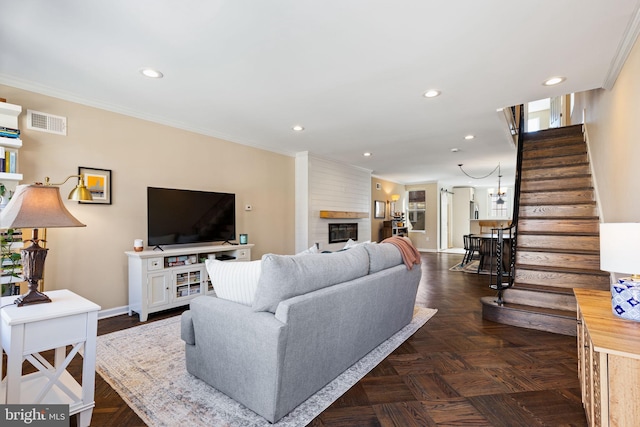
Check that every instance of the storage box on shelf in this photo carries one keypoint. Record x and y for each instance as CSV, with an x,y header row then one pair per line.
x,y
159,280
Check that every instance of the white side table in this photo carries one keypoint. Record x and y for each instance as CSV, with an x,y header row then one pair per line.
x,y
69,320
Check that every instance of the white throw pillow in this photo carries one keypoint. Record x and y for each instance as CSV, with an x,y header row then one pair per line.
x,y
234,281
312,250
352,243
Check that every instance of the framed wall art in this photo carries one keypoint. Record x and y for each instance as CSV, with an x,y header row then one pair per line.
x,y
98,181
379,209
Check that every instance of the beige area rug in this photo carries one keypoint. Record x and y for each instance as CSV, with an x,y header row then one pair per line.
x,y
146,366
470,267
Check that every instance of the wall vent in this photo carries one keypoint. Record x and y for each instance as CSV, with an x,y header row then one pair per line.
x,y
45,122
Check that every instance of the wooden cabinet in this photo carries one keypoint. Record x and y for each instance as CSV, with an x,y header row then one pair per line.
x,y
608,361
162,280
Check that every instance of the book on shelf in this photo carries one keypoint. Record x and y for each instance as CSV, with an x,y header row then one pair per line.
x,y
9,132
13,162
2,164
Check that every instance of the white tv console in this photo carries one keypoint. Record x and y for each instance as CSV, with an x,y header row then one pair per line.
x,y
159,280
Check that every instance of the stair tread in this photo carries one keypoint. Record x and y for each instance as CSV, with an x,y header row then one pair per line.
x,y
531,308
552,269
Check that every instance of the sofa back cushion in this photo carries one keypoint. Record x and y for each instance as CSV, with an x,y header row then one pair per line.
x,y
382,256
286,276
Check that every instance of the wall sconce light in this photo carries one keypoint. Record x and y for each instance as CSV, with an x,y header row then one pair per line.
x,y
620,253
39,206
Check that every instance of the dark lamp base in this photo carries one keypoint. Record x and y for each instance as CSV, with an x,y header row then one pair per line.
x,y
32,297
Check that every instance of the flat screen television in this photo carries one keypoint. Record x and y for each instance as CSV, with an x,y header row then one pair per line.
x,y
186,216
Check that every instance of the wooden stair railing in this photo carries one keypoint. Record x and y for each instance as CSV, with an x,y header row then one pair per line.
x,y
556,235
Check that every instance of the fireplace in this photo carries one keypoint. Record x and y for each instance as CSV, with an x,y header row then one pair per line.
x,y
343,232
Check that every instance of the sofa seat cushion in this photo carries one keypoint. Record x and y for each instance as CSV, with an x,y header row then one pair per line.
x,y
286,276
234,281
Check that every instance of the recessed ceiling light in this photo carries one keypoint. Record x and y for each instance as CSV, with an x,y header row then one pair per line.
x,y
455,150
367,154
431,93
297,128
554,81
469,137
151,73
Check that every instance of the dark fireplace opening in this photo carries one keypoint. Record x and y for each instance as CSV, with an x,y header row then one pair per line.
x,y
343,232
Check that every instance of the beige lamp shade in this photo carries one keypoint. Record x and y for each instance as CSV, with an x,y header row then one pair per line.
x,y
37,206
620,247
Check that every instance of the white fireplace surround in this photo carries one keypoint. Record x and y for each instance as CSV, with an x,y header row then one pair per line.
x,y
327,185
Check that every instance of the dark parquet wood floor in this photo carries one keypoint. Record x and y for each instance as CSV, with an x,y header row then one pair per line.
x,y
458,370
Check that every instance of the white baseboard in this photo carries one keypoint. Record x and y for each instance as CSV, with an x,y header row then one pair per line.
x,y
117,311
427,250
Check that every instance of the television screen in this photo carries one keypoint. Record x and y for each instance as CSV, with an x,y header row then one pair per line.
x,y
187,216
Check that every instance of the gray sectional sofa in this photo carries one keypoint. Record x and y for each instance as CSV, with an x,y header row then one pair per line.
x,y
313,316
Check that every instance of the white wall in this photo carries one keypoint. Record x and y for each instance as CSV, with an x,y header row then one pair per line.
x,y
613,132
330,186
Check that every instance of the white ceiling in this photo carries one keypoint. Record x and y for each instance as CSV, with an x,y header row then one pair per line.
x,y
352,72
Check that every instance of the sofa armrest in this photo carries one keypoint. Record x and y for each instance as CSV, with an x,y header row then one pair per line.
x,y
187,333
238,351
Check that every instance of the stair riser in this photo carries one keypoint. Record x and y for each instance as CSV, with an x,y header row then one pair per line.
x,y
569,243
558,211
540,299
552,259
573,131
567,226
554,161
541,322
557,197
566,150
562,172
557,184
561,280
553,142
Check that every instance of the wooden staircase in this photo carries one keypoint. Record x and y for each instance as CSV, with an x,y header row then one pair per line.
x,y
557,235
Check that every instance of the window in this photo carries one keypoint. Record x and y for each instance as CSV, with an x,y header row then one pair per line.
x,y
496,209
417,209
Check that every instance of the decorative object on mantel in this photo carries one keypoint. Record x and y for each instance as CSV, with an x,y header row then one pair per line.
x,y
343,215
38,206
620,253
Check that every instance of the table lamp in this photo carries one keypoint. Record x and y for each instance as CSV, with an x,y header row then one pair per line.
x,y
620,253
39,206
